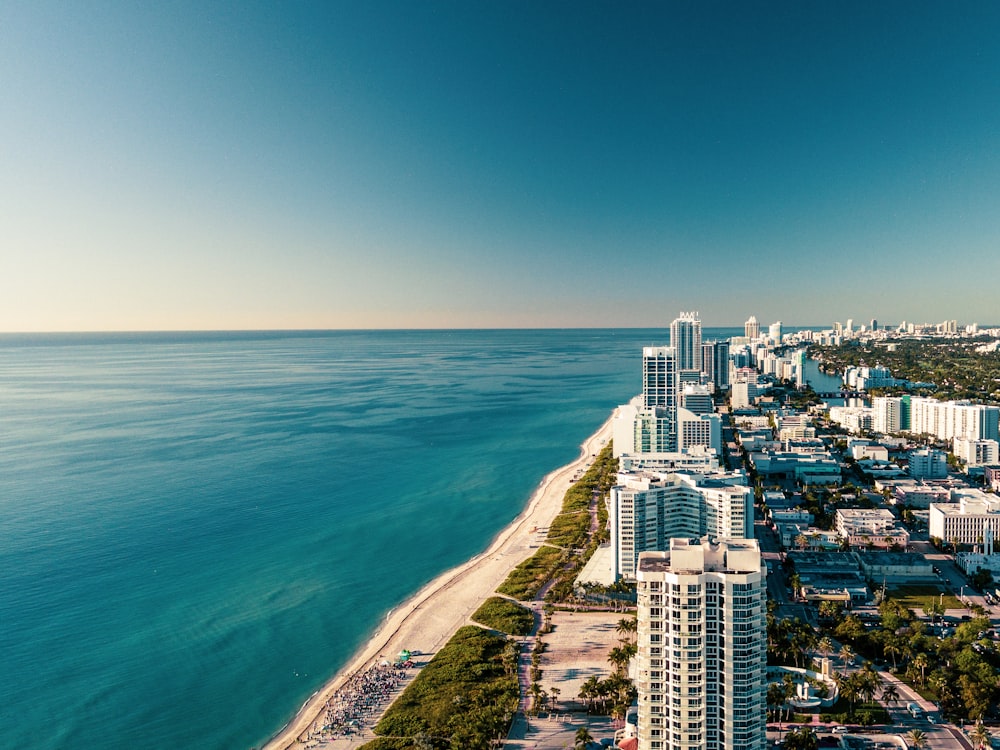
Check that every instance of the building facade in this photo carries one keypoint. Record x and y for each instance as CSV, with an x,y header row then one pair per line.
x,y
967,521
647,509
702,647
685,338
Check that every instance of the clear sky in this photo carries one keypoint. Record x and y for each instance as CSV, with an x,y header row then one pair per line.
x,y
365,164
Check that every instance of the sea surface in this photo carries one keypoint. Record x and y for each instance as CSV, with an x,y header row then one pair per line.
x,y
198,530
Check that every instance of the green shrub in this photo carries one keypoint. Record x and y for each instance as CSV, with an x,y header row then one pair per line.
x,y
504,615
464,697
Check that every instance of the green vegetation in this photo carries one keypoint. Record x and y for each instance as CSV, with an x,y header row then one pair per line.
x,y
506,616
958,371
465,697
957,670
924,598
525,581
569,533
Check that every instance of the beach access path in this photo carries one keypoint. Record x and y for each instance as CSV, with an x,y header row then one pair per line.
x,y
428,620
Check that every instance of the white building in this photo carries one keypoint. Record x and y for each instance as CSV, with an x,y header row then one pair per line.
x,y
946,420
887,414
752,328
702,647
967,520
875,526
976,452
685,339
659,377
697,398
698,430
928,463
647,509
854,419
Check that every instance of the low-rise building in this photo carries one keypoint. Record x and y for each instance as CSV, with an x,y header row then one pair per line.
x,y
876,527
966,521
919,495
878,566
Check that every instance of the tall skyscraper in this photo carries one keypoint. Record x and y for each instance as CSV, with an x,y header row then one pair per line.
x,y
659,377
702,647
774,331
685,338
715,363
752,328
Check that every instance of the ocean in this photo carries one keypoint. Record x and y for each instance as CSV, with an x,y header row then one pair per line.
x,y
197,530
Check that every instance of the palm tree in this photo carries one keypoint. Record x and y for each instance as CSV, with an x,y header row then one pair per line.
x,y
917,738
619,657
890,694
626,628
846,654
583,738
802,738
825,646
588,691
775,697
981,736
893,648
921,662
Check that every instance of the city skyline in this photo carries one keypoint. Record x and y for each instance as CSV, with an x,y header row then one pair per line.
x,y
444,165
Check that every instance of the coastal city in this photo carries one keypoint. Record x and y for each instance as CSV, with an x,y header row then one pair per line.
x,y
780,542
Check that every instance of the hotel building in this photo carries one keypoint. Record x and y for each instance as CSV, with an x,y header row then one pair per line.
x,y
701,647
647,509
685,338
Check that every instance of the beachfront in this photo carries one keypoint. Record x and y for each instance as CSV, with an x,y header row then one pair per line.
x,y
425,622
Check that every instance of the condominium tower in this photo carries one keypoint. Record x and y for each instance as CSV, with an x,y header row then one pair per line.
x,y
702,647
647,509
685,338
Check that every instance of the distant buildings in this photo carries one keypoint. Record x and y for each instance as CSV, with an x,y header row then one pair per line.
x,y
946,420
751,328
701,646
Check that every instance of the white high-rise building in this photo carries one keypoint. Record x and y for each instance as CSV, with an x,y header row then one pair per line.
x,y
954,419
702,647
659,377
976,452
774,332
698,430
928,463
647,509
752,328
887,414
685,338
697,398
967,521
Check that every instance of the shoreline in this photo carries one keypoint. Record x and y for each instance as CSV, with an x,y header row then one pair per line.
x,y
428,619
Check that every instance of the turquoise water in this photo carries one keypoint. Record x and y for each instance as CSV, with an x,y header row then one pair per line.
x,y
198,530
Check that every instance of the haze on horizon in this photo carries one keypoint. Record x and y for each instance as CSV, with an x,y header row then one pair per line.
x,y
178,166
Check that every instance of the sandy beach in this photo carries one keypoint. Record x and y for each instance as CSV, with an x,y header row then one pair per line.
x,y
426,621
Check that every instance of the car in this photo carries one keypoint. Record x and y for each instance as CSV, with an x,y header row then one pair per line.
x,y
839,730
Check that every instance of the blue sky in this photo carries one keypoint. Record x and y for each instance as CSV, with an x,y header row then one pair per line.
x,y
368,164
